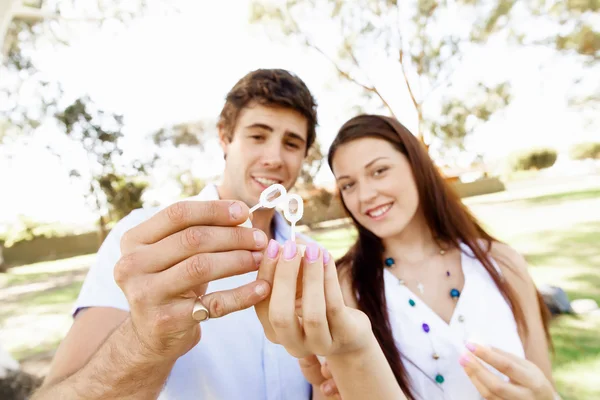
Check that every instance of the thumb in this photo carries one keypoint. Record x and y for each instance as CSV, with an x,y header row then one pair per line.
x,y
311,369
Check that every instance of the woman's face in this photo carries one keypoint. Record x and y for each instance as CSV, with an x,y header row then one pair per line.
x,y
377,185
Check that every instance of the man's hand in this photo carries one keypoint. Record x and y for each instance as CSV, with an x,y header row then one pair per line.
x,y
169,260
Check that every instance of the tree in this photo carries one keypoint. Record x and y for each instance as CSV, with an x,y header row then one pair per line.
x,y
312,166
570,27
417,35
30,98
115,184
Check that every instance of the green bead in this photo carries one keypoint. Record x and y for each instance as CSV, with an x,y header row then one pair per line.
x,y
439,378
411,302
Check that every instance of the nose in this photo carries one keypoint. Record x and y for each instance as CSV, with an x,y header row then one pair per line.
x,y
271,157
366,193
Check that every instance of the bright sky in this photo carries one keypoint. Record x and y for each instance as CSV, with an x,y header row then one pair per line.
x,y
170,70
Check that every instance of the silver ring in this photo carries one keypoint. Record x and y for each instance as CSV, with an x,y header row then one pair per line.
x,y
200,312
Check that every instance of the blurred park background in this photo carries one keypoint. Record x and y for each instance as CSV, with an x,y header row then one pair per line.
x,y
110,105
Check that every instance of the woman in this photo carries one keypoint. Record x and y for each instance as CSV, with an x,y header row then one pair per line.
x,y
442,294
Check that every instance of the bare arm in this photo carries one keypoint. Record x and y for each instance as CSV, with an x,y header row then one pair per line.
x,y
90,329
372,363
121,369
515,270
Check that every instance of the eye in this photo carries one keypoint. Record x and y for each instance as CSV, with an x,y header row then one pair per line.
x,y
257,137
346,186
380,171
293,145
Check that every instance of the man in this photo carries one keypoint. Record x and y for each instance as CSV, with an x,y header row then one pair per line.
x,y
133,324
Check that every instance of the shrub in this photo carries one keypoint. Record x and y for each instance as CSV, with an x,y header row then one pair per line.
x,y
539,158
583,151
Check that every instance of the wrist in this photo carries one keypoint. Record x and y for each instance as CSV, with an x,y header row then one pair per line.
x,y
357,357
137,352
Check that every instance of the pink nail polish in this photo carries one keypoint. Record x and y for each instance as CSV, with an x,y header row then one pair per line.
x,y
463,360
273,249
470,346
326,257
289,250
312,252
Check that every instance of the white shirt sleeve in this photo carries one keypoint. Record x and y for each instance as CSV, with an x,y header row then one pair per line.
x,y
99,287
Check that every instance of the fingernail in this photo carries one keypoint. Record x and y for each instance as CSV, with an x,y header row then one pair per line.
x,y
463,360
312,252
260,290
235,210
259,238
258,256
273,249
470,346
289,250
326,257
326,389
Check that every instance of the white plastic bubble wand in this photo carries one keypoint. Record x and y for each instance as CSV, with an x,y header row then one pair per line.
x,y
293,212
268,199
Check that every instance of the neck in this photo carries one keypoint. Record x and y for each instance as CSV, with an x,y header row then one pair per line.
x,y
413,244
261,218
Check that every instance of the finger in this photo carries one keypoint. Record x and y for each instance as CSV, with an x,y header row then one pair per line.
x,y
282,303
314,314
203,268
311,369
194,240
509,365
325,371
266,272
489,385
329,388
334,299
182,215
225,302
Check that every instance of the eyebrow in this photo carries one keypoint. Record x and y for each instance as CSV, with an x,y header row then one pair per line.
x,y
294,135
367,165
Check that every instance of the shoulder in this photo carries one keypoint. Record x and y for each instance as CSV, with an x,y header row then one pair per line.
x,y
512,264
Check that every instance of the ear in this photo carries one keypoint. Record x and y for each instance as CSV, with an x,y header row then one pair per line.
x,y
223,140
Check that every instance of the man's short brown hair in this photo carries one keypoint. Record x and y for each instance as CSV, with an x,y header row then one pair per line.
x,y
269,87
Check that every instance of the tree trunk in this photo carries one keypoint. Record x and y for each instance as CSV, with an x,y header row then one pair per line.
x,y
102,231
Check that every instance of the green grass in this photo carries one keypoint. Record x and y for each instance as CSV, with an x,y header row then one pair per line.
x,y
555,198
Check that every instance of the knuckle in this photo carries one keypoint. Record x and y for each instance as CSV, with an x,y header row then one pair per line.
x,y
136,297
495,388
165,321
334,311
312,320
280,320
239,235
239,299
216,306
126,241
124,268
177,212
537,386
213,208
198,268
193,237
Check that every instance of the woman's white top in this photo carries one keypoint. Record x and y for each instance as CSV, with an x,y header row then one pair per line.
x,y
482,315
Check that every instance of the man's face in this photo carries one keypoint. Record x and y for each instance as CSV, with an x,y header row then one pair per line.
x,y
268,146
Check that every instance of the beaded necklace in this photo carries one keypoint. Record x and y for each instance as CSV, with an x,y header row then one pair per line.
x,y
454,294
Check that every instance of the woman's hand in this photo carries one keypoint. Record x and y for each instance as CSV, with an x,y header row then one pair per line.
x,y
306,312
320,377
527,381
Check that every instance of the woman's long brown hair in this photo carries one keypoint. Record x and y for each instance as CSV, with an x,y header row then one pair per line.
x,y
447,218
